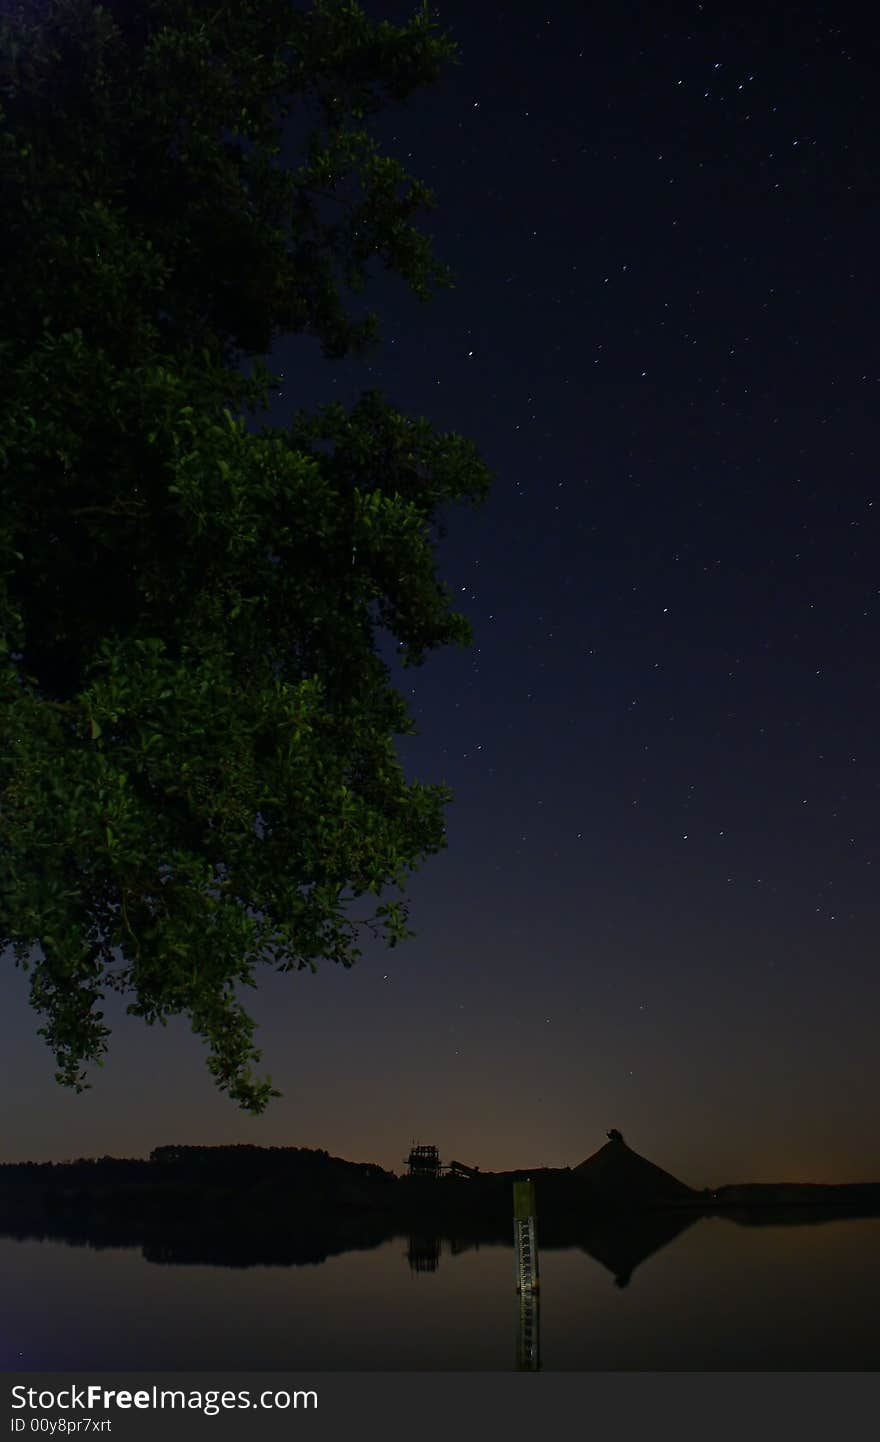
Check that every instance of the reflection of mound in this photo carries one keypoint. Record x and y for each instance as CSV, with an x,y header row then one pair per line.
x,y
616,1174
623,1245
620,1243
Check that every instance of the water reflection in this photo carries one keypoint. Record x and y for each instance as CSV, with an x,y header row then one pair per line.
x,y
423,1254
661,1291
619,1244
624,1244
528,1351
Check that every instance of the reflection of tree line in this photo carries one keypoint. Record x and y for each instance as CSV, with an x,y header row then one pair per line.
x,y
620,1244
244,1205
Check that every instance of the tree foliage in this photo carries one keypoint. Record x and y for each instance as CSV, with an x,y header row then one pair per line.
x,y
197,761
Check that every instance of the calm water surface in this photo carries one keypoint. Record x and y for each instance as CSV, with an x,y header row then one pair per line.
x,y
718,1296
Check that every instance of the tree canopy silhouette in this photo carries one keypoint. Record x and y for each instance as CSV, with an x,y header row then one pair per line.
x,y
197,761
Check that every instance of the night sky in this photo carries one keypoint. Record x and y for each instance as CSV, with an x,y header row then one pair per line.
x,y
658,909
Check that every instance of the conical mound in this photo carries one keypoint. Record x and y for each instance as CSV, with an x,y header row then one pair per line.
x,y
615,1173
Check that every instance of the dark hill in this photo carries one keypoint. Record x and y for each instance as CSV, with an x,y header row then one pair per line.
x,y
615,1173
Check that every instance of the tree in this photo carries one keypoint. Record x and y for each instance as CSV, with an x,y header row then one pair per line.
x,y
197,763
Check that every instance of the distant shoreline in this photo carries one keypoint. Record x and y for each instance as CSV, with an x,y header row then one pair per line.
x,y
284,1207
244,1184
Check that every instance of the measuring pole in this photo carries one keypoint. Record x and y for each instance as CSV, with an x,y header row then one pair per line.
x,y
525,1246
525,1241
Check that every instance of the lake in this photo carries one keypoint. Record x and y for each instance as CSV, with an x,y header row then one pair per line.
x,y
720,1294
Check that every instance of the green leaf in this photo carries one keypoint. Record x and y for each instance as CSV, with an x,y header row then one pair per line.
x,y
255,776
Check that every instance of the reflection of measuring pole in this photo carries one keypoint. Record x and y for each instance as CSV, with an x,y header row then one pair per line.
x,y
526,1261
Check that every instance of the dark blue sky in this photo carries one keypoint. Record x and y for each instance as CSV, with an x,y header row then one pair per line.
x,y
658,909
